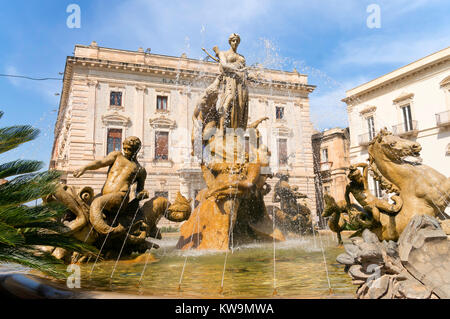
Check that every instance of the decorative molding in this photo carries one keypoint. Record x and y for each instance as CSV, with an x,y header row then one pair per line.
x,y
445,83
115,85
281,130
163,91
403,98
93,83
367,111
163,122
116,119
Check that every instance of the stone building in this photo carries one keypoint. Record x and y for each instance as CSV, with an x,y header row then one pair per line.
x,y
109,94
331,162
412,102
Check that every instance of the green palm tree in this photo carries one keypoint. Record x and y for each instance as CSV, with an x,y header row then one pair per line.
x,y
22,228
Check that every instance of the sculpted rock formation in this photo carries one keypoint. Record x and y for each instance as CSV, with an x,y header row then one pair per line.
x,y
418,264
416,267
231,209
111,214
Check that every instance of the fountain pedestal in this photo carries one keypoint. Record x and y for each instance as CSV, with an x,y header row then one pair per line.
x,y
231,209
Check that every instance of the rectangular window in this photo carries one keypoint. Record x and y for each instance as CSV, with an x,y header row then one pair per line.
x,y
371,125
407,119
324,155
279,113
114,142
161,145
282,152
115,99
161,103
162,194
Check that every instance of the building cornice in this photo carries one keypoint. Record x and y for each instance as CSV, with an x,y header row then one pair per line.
x,y
185,73
356,94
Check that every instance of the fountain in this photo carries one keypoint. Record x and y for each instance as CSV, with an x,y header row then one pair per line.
x,y
231,245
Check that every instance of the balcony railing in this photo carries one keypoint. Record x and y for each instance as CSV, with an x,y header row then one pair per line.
x,y
364,139
443,119
405,129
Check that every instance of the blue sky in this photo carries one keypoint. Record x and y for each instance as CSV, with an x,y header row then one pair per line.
x,y
328,40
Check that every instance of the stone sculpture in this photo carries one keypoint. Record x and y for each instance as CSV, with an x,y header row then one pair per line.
x,y
416,267
91,218
231,208
292,216
418,264
397,165
346,217
233,108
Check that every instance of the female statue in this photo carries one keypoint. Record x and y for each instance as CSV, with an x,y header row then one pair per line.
x,y
234,97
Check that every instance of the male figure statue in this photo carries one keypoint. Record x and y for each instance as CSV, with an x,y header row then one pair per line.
x,y
124,170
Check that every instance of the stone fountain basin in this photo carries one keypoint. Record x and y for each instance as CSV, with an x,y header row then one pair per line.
x,y
300,273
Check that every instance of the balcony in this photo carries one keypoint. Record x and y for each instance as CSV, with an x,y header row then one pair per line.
x,y
405,130
443,119
364,139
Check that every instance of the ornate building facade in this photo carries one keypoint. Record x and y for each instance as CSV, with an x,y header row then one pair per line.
x,y
412,102
331,162
109,94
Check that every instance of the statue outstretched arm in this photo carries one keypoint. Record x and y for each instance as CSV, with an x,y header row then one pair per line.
x,y
106,161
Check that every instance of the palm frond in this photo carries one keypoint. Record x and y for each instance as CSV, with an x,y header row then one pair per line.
x,y
19,167
1,114
10,236
48,226
57,240
23,216
40,261
13,136
26,188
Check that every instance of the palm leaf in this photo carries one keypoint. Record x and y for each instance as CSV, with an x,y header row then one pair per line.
x,y
42,261
26,188
19,167
57,240
13,136
10,236
23,216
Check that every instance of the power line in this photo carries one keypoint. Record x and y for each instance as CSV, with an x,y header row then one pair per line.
x,y
29,78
